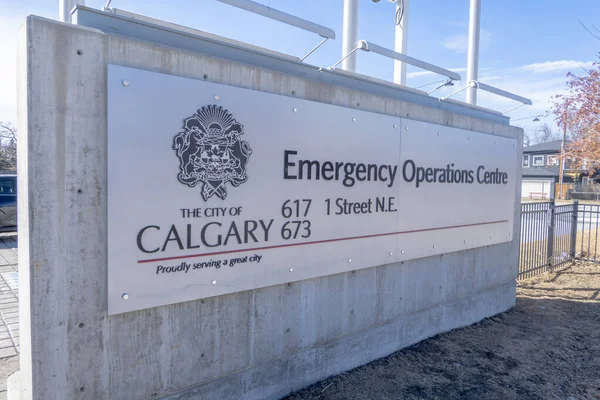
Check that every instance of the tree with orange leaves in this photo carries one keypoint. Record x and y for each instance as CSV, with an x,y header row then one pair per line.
x,y
578,112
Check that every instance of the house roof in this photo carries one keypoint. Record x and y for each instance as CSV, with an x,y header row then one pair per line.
x,y
551,146
548,171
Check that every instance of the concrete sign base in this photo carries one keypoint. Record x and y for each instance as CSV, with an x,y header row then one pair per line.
x,y
261,343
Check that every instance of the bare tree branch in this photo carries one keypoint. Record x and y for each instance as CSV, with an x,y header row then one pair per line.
x,y
590,32
588,72
8,131
539,134
8,146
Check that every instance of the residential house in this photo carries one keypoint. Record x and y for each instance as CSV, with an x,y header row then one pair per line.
x,y
541,170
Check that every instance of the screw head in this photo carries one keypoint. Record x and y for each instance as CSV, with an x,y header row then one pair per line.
x,y
406,128
349,260
125,83
469,137
214,282
395,126
216,97
438,134
434,246
490,237
125,296
391,253
295,109
291,269
401,251
353,119
466,241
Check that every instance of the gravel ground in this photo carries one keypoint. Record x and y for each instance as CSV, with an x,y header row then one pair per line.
x,y
547,347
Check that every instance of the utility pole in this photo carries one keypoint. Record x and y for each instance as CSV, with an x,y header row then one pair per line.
x,y
562,152
473,51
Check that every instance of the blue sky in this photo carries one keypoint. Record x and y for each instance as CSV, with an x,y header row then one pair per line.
x,y
527,46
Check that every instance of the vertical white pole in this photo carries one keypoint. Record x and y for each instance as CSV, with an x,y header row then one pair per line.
x,y
350,34
401,44
65,7
473,53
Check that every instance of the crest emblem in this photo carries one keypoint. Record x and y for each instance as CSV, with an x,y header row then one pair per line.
x,y
210,151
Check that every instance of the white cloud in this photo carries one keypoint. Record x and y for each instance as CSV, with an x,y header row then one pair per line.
x,y
421,74
460,43
418,74
457,43
539,89
557,66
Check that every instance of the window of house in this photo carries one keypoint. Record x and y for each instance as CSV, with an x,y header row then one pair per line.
x,y
526,160
538,160
552,160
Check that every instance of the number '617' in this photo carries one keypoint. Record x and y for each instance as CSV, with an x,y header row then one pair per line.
x,y
295,208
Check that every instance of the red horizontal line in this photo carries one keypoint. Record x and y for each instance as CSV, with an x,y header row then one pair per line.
x,y
317,242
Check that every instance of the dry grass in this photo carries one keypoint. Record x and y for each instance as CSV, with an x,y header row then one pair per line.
x,y
547,347
588,244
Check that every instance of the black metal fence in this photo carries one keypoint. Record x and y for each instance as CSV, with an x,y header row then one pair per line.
x,y
552,235
587,232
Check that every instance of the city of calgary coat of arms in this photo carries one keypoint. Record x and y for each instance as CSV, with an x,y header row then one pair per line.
x,y
210,151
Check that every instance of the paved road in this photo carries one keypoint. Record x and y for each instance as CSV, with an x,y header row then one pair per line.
x,y
9,309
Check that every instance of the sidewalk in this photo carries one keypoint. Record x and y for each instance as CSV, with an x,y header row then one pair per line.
x,y
9,309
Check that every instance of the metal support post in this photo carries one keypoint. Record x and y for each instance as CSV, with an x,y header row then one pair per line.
x,y
573,243
350,34
401,43
550,253
473,52
65,7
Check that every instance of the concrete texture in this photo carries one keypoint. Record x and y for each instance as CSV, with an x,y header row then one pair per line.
x,y
262,343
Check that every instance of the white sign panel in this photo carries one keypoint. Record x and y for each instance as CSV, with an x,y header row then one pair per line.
x,y
214,189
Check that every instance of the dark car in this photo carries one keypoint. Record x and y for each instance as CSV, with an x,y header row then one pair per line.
x,y
8,203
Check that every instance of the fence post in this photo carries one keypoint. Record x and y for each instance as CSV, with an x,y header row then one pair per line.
x,y
550,223
573,244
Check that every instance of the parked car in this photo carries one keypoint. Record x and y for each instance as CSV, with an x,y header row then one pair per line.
x,y
8,203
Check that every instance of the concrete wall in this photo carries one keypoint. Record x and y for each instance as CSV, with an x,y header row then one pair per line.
x,y
262,343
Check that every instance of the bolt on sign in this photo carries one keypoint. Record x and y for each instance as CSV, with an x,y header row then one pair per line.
x,y
215,189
